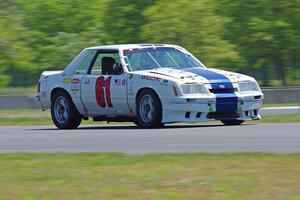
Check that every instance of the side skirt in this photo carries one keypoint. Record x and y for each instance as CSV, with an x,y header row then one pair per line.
x,y
114,119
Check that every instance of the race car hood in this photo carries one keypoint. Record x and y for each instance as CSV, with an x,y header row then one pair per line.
x,y
203,75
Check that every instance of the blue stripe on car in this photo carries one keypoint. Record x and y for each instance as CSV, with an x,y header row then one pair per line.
x,y
212,76
225,102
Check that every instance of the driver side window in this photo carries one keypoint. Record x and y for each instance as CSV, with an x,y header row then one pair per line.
x,y
105,63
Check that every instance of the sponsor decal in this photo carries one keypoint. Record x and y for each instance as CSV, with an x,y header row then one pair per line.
x,y
75,81
126,51
151,78
67,80
123,82
75,88
101,85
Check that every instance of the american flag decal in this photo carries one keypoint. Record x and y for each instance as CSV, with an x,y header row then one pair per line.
x,y
118,81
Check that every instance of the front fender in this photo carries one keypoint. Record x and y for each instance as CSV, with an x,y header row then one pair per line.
x,y
162,87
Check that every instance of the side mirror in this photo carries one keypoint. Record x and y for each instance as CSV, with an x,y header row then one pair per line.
x,y
118,68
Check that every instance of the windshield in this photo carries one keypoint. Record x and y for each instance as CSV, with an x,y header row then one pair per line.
x,y
150,58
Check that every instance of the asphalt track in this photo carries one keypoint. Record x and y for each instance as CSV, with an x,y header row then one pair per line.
x,y
274,138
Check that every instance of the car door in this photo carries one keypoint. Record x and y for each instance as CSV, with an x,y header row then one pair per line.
x,y
103,89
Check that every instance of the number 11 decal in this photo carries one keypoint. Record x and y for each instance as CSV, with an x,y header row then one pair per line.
x,y
100,85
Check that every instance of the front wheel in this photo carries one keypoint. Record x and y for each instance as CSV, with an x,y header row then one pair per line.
x,y
63,111
232,122
149,111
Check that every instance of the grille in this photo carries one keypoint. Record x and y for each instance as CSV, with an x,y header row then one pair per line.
x,y
223,115
221,90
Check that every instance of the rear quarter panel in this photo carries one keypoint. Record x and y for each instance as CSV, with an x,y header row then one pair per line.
x,y
71,84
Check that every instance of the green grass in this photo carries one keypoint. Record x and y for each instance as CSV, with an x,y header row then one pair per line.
x,y
30,121
157,176
267,105
280,118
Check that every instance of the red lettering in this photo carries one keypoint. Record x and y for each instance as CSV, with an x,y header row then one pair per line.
x,y
100,85
151,78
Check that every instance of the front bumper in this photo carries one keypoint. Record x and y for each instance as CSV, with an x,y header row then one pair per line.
x,y
193,109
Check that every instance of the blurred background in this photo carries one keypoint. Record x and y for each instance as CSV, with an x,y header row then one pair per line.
x,y
260,38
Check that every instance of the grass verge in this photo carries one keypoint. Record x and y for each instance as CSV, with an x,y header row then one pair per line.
x,y
280,118
154,176
268,105
13,113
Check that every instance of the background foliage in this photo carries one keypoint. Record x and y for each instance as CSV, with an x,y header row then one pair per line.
x,y
259,37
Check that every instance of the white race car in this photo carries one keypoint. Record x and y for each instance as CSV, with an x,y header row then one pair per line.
x,y
148,84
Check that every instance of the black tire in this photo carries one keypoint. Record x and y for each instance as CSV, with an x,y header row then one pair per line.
x,y
155,120
72,119
232,122
137,124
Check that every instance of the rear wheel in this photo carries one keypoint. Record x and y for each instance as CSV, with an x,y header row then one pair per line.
x,y
149,111
232,122
63,111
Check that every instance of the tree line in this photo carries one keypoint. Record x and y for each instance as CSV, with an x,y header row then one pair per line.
x,y
258,37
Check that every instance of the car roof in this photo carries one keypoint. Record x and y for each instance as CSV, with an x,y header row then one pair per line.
x,y
133,46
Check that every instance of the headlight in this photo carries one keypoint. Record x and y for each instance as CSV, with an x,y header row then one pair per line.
x,y
248,86
193,89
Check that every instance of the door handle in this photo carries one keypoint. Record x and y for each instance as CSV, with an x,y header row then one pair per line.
x,y
87,81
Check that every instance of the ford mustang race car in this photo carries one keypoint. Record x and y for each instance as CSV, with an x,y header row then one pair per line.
x,y
148,84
